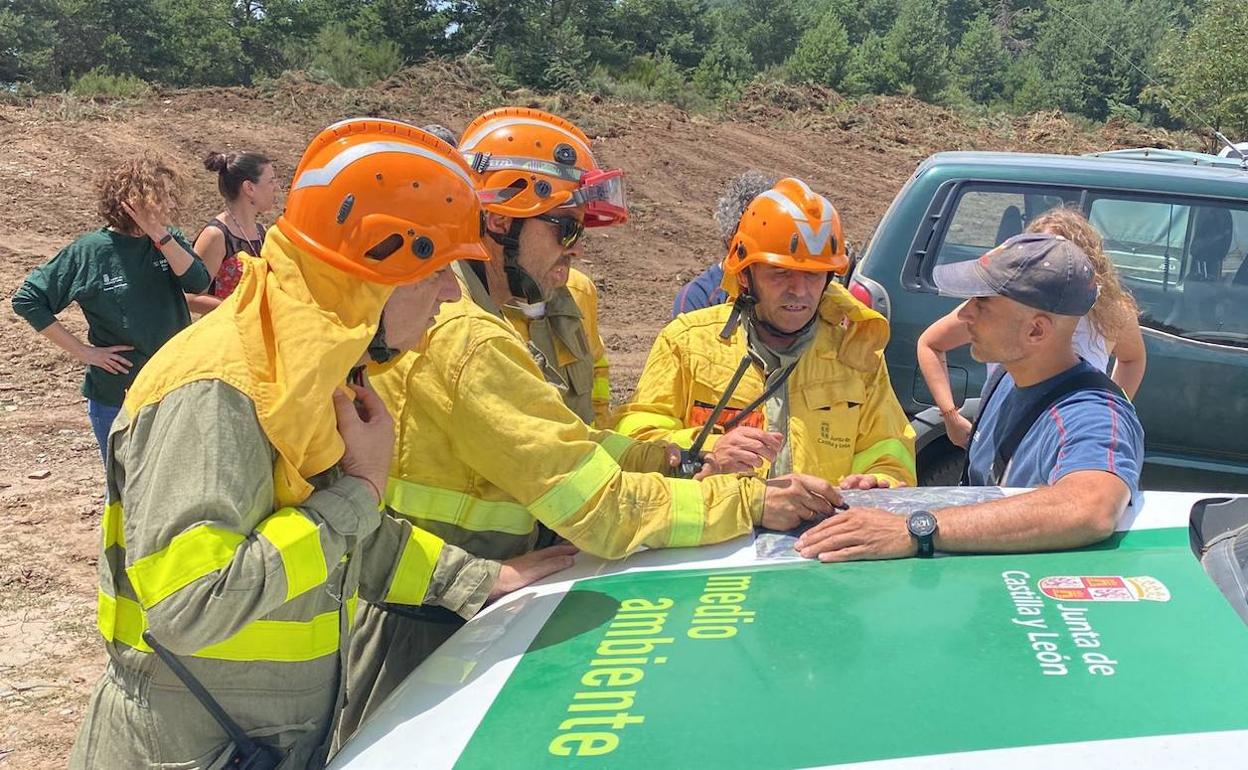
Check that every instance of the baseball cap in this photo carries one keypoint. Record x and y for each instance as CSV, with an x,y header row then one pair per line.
x,y
1040,270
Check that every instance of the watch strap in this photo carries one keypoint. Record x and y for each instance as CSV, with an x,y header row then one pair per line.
x,y
926,549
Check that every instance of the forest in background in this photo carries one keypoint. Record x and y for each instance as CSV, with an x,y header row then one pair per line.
x,y
1173,63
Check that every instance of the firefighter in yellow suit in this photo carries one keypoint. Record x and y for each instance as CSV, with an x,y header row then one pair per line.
x,y
488,449
243,522
814,395
554,308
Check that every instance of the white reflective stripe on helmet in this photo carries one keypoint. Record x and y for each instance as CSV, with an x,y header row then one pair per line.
x,y
323,176
470,142
805,187
815,241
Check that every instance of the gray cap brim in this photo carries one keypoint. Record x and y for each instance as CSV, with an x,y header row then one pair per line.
x,y
964,280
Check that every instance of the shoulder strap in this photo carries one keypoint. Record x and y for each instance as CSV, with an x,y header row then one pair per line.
x,y
990,387
1093,380
217,224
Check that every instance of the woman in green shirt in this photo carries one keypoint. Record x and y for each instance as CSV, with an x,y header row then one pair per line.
x,y
128,278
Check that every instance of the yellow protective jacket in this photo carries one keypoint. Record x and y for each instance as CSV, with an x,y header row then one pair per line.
x,y
585,295
486,449
567,338
231,533
843,415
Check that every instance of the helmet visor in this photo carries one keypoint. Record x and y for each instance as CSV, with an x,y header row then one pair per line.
x,y
602,194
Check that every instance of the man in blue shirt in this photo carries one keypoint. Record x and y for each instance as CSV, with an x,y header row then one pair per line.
x,y
705,290
1077,439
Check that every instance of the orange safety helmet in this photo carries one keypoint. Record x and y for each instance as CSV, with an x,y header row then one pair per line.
x,y
788,226
383,201
527,162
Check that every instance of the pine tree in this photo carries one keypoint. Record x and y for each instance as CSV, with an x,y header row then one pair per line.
x,y
980,60
822,53
1206,70
919,41
873,68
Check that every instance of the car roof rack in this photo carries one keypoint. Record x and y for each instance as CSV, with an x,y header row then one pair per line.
x,y
1185,157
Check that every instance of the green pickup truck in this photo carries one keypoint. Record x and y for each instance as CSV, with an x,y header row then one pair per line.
x,y
1175,224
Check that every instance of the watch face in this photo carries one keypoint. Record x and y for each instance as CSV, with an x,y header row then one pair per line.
x,y
921,523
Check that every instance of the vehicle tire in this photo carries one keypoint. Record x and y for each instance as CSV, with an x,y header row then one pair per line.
x,y
940,464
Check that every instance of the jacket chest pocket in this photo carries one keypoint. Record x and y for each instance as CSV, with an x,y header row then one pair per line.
x,y
823,426
579,397
580,376
708,384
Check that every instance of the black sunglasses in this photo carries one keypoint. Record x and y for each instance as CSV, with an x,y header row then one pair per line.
x,y
570,228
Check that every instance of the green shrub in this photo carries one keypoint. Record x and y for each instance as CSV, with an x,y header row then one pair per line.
x,y
633,91
100,83
352,61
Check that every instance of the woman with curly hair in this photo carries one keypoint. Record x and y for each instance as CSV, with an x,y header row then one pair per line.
x,y
1111,328
128,279
248,184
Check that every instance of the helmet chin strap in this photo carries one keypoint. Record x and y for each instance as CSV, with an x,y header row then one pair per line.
x,y
378,350
519,281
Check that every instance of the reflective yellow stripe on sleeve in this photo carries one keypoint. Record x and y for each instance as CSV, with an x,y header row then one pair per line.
x,y
111,524
411,577
191,555
284,641
615,444
889,447
687,513
569,495
420,501
602,379
121,620
634,422
298,542
602,389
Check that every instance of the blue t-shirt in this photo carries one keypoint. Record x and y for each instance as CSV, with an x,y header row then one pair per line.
x,y
703,291
1085,430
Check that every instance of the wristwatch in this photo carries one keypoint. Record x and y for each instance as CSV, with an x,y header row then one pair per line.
x,y
922,526
168,236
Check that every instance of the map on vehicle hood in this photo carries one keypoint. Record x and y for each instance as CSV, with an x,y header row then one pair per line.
x,y
779,545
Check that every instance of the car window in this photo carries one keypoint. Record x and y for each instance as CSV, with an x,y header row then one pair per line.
x,y
1182,260
984,216
1143,238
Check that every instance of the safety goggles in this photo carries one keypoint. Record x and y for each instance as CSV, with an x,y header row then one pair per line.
x,y
602,194
600,191
570,228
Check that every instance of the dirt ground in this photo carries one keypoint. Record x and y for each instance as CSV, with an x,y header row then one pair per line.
x,y
51,481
